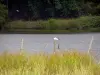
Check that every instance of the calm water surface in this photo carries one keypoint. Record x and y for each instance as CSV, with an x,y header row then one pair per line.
x,y
44,42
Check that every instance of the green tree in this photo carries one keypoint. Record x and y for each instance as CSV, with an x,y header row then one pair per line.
x,y
63,8
33,8
3,15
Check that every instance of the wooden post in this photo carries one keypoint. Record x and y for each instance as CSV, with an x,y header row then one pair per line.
x,y
54,46
55,39
22,44
58,46
90,45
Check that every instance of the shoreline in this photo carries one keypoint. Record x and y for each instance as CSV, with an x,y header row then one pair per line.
x,y
48,32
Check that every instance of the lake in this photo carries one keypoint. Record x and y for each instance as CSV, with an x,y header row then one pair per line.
x,y
45,42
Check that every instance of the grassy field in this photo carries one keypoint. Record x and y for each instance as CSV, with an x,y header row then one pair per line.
x,y
59,63
81,24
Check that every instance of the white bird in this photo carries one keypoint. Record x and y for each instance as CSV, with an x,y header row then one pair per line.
x,y
55,38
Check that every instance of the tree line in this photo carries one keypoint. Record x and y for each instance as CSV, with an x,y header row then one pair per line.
x,y
63,8
44,9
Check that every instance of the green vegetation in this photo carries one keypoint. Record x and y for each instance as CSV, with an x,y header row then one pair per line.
x,y
67,16
3,15
82,24
60,63
62,8
34,16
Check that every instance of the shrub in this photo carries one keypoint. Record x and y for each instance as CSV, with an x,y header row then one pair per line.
x,y
89,22
3,16
84,23
52,24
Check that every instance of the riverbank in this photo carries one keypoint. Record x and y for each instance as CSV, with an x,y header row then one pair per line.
x,y
31,31
60,63
57,26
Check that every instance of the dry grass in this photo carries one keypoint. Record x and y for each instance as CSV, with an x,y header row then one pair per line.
x,y
60,63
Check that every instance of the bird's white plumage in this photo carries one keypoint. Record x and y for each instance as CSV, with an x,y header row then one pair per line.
x,y
55,38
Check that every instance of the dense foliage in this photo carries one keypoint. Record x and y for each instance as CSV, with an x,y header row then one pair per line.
x,y
85,24
43,9
3,14
63,8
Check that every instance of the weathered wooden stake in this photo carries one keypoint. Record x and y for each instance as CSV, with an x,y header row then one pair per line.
x,y
90,45
54,46
22,44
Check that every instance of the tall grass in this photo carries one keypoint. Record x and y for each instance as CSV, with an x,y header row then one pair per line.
x,y
60,63
91,23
